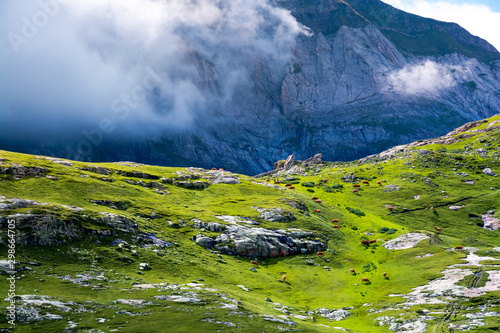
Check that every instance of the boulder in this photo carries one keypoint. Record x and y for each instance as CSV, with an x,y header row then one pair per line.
x,y
489,172
118,222
212,226
316,159
275,214
18,171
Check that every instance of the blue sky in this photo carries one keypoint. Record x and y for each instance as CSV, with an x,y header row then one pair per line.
x,y
480,17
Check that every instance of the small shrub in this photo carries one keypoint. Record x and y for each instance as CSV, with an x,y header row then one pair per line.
x,y
310,190
354,228
355,211
308,184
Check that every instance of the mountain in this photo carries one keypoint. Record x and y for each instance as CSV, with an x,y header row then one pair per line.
x,y
366,78
405,240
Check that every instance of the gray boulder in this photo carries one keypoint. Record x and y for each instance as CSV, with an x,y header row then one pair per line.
x,y
275,214
489,172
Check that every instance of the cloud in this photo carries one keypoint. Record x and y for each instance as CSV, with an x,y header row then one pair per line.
x,y
150,64
425,78
478,19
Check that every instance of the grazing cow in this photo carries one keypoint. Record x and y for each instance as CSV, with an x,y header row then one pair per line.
x,y
379,182
459,248
373,241
283,278
277,182
268,180
319,201
437,228
335,220
253,262
352,271
365,182
365,242
356,185
325,180
291,188
355,191
314,198
433,209
318,211
321,254
385,275
213,169
282,254
336,226
363,280
221,169
390,208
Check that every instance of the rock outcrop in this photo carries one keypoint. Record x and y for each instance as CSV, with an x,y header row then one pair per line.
x,y
260,242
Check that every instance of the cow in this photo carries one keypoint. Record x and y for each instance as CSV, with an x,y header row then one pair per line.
x,y
291,188
288,185
277,182
385,275
365,242
268,180
379,182
459,248
363,280
335,220
437,228
314,198
325,180
356,185
321,254
318,211
319,201
355,191
390,208
336,226
282,254
365,182
253,262
283,278
373,241
352,271
221,169
433,209
213,169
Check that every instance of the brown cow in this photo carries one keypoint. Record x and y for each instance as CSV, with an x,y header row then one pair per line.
x,y
379,182
282,254
288,185
325,180
385,275
390,208
253,262
335,220
365,280
321,254
336,226
437,228
373,241
319,201
459,248
213,169
268,180
221,169
365,242
314,198
433,209
356,185
355,191
277,182
283,278
365,182
352,271
318,211
291,188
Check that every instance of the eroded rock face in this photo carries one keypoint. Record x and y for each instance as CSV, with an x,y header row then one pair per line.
x,y
118,222
490,222
18,171
405,242
260,242
275,214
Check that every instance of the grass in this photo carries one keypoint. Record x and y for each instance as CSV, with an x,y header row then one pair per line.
x,y
434,180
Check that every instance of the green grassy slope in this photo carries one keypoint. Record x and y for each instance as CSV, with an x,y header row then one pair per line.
x,y
423,175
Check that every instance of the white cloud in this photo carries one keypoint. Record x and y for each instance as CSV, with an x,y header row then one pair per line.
x,y
425,78
478,19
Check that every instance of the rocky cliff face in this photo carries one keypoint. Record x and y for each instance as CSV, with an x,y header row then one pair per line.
x,y
368,77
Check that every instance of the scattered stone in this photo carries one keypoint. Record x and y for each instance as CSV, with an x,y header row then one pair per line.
x,y
456,207
391,188
268,299
275,214
489,172
490,222
405,242
331,315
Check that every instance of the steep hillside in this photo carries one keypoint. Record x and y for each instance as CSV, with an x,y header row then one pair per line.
x,y
367,77
133,248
